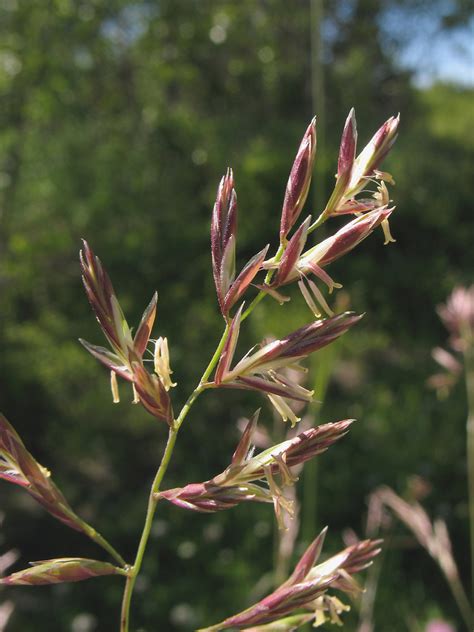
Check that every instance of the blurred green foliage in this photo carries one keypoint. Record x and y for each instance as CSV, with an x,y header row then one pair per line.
x,y
117,120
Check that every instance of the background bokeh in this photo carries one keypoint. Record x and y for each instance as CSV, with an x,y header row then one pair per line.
x,y
117,120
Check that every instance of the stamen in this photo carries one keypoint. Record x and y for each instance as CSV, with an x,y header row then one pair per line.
x,y
283,409
320,618
382,194
136,399
319,296
386,232
281,504
278,296
288,478
114,387
308,298
162,363
298,367
335,607
384,175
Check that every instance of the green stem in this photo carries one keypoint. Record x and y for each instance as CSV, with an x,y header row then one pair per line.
x,y
155,488
261,295
319,222
210,366
152,503
101,541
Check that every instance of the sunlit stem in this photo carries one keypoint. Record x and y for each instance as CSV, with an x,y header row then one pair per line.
x,y
155,488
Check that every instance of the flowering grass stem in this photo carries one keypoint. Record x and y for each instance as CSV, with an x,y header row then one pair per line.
x,y
167,454
152,503
173,432
155,488
258,371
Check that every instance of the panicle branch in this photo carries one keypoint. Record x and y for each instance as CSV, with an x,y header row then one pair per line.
x,y
307,587
259,370
126,357
242,479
